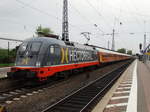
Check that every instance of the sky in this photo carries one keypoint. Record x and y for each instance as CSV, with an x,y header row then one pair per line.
x,y
130,19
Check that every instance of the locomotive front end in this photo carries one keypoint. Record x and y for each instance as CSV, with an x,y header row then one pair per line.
x,y
28,60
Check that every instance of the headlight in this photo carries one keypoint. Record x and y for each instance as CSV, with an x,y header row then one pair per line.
x,y
38,64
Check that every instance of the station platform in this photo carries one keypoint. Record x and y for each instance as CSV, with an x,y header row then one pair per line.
x,y
131,93
3,71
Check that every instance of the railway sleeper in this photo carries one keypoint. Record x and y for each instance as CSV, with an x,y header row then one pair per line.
x,y
80,99
64,109
72,105
77,102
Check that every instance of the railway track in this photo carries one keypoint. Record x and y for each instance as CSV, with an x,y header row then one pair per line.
x,y
84,99
15,92
16,88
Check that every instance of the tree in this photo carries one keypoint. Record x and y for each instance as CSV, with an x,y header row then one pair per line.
x,y
45,30
122,50
129,52
7,58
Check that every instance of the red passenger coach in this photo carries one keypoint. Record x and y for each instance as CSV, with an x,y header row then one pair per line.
x,y
106,56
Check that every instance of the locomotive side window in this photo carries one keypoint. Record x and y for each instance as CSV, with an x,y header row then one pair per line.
x,y
52,49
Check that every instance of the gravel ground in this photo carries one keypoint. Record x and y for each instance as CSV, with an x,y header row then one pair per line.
x,y
36,102
6,84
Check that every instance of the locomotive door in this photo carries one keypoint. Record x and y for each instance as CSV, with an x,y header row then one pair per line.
x,y
54,55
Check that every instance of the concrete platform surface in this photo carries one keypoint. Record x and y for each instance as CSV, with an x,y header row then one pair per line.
x,y
116,100
143,74
131,93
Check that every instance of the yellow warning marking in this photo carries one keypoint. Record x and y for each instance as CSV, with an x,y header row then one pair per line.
x,y
62,55
66,55
25,61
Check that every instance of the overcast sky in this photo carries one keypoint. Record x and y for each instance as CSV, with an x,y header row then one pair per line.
x,y
20,18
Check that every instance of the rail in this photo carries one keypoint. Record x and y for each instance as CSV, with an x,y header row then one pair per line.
x,y
84,99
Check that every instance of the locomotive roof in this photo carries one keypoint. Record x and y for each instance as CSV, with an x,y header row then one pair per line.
x,y
47,40
59,42
74,44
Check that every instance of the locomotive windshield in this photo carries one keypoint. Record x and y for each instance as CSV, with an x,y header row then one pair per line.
x,y
28,54
35,46
23,47
30,47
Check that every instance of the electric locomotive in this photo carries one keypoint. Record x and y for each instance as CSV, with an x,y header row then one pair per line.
x,y
42,57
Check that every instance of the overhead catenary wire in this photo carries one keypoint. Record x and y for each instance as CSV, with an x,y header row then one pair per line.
x,y
99,14
45,13
17,22
137,19
83,17
37,9
127,12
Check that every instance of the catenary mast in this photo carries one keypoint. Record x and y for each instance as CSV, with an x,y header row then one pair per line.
x,y
65,33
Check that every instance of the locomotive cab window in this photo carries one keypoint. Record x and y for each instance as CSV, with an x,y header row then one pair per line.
x,y
35,47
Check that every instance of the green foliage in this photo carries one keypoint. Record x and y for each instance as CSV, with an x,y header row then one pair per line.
x,y
122,50
6,65
129,52
5,58
43,30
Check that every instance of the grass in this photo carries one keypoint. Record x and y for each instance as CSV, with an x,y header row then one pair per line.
x,y
7,65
